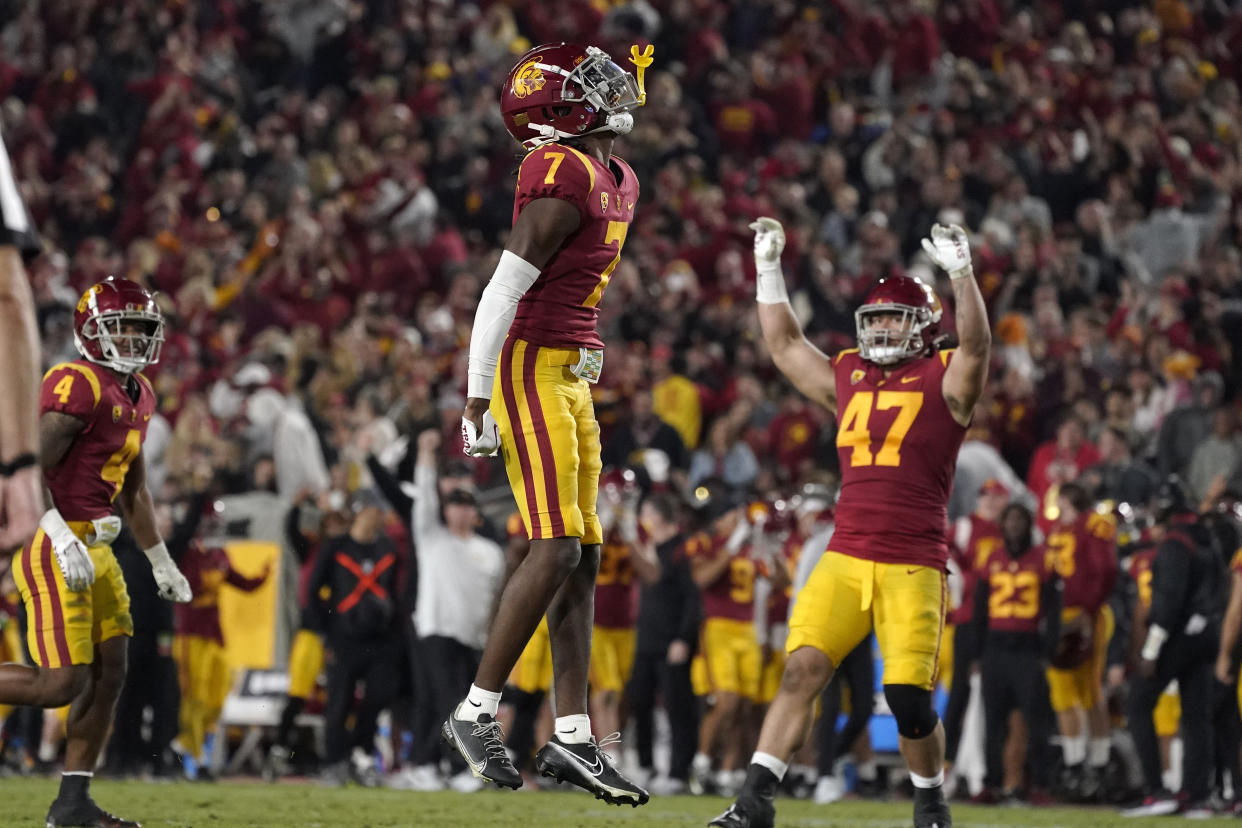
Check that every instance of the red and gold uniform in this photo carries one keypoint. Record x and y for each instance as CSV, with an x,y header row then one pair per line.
x,y
65,626
897,442
543,409
730,648
202,668
614,639
778,619
974,542
1085,556
1016,590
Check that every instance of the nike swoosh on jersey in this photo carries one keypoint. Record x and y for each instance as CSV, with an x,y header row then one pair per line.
x,y
904,380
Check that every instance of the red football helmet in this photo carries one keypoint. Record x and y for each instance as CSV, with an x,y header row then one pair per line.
x,y
118,325
919,310
618,484
561,91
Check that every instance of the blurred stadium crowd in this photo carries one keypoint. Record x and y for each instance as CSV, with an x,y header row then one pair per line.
x,y
318,189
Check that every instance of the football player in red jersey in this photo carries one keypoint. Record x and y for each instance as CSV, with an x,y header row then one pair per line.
x,y
534,353
902,408
94,418
1082,545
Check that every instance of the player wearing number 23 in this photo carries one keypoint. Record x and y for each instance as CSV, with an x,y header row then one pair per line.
x,y
534,353
902,406
94,416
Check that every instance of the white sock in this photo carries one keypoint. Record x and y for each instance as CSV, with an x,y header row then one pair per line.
x,y
770,762
1097,751
927,781
867,771
574,730
478,701
701,762
47,751
1074,749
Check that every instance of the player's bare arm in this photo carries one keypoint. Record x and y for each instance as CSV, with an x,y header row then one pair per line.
x,y
540,229
807,367
1229,630
963,380
20,505
57,432
138,509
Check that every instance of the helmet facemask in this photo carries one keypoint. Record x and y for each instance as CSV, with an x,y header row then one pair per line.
x,y
885,345
123,351
601,86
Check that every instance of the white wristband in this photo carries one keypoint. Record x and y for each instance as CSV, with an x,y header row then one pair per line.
x,y
158,554
54,526
770,284
1156,636
968,270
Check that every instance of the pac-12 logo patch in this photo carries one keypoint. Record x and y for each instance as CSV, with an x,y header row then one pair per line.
x,y
529,78
856,376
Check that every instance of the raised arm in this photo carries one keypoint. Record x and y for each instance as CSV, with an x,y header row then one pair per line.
x,y
427,497
807,367
963,380
541,227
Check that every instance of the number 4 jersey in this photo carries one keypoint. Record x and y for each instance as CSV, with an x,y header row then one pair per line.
x,y
91,474
562,306
897,443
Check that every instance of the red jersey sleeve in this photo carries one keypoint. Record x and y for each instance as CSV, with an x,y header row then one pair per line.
x,y
72,389
554,171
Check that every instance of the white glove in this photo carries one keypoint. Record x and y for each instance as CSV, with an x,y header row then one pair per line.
x,y
769,243
72,556
485,443
172,584
949,248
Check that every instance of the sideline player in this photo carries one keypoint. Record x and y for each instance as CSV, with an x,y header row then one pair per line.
x,y
904,408
21,500
94,417
534,353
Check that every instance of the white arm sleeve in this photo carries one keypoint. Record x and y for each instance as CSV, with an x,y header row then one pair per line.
x,y
497,307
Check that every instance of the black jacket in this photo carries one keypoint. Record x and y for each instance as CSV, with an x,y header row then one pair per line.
x,y
1188,578
669,610
364,581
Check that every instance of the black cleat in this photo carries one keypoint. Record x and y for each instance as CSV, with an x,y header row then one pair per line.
x,y
84,814
748,812
482,745
930,809
588,767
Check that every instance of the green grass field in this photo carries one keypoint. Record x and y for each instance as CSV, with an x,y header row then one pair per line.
x,y
255,805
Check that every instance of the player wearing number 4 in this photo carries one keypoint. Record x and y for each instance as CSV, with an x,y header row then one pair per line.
x,y
94,416
534,353
902,408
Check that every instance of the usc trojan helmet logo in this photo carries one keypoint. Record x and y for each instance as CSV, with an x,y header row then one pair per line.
x,y
529,78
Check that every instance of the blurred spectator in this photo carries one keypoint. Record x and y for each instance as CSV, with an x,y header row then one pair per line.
x,y
724,456
1118,476
645,441
1217,458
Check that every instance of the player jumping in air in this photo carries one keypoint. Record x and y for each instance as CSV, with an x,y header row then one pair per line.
x,y
534,354
94,416
902,407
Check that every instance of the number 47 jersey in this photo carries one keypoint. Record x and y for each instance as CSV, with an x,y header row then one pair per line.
x,y
92,472
562,307
897,443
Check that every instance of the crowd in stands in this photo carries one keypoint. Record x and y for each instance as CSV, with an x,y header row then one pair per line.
x,y
319,190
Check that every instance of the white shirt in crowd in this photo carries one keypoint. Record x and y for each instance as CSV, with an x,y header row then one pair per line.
x,y
457,579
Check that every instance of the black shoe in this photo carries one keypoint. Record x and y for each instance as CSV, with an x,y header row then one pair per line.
x,y
748,812
590,768
930,809
482,745
84,814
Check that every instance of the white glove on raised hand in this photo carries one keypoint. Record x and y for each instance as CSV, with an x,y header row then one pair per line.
x,y
485,443
949,248
391,455
172,585
769,244
72,556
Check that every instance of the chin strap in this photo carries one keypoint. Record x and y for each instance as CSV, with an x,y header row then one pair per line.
x,y
641,61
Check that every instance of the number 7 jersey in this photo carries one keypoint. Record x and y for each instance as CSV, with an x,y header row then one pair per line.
x,y
561,308
92,472
897,443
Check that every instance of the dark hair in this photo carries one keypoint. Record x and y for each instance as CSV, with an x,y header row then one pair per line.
x,y
666,505
1077,495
